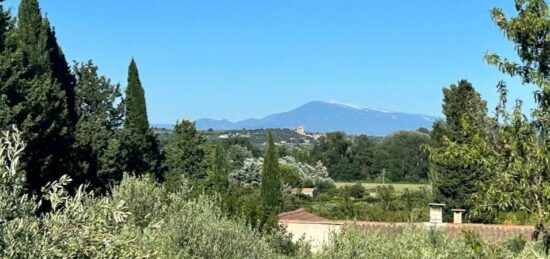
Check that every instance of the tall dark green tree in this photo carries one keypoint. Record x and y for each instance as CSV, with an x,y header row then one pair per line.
x,y
5,26
63,75
140,145
462,101
38,97
271,187
465,113
141,149
136,109
363,155
97,131
186,152
220,170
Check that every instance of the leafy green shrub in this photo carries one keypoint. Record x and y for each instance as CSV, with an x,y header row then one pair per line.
x,y
516,218
406,242
516,244
356,191
387,196
290,176
142,219
79,226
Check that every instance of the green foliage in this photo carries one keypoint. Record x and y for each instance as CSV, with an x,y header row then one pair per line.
x,y
37,95
386,194
459,101
290,176
521,157
515,153
141,219
403,157
219,171
5,26
186,152
237,154
516,244
99,117
14,203
356,191
529,32
363,154
136,110
520,162
334,150
466,122
350,158
383,203
414,242
271,186
244,143
140,147
516,218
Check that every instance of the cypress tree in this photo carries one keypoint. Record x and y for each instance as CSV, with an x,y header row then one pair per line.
x,y
136,110
220,172
62,74
4,26
36,99
139,142
4,29
271,187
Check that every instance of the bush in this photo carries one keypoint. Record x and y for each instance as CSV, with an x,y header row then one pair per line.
x,y
406,242
290,176
356,191
142,219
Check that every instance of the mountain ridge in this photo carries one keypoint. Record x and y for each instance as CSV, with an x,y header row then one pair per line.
x,y
318,116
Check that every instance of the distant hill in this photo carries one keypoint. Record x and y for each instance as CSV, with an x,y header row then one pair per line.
x,y
329,116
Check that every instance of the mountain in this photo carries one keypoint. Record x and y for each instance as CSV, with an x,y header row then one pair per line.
x,y
330,116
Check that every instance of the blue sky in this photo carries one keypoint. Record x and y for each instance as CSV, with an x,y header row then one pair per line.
x,y
240,59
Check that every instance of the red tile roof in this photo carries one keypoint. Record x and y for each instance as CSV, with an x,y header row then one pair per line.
x,y
300,215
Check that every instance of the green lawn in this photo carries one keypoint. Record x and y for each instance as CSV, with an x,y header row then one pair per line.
x,y
399,187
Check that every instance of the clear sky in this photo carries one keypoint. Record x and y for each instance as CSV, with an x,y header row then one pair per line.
x,y
240,59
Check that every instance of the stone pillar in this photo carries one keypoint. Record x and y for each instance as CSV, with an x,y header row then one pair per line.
x,y
436,213
457,215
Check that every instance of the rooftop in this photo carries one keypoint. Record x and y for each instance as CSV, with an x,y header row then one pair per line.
x,y
490,232
300,215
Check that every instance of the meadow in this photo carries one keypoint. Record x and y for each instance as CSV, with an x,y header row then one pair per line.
x,y
399,187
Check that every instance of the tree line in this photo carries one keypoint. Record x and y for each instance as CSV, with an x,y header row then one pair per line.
x,y
399,157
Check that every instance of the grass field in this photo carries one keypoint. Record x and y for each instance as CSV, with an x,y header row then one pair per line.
x,y
399,187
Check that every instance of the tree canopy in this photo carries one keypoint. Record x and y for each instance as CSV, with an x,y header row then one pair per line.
x,y
271,186
186,153
38,96
454,180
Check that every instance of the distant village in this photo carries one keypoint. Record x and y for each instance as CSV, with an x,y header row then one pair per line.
x,y
298,136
